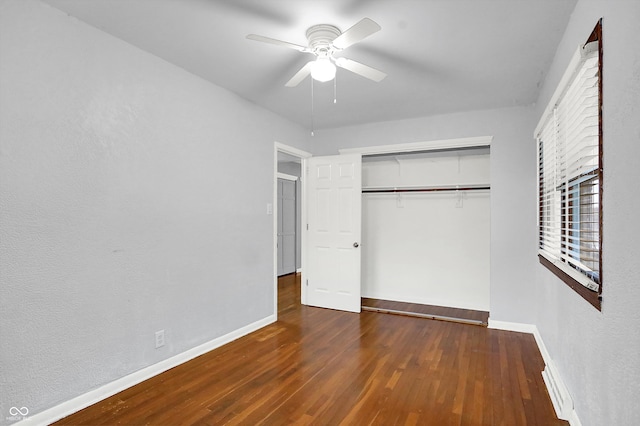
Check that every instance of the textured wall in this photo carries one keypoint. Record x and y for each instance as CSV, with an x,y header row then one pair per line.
x,y
120,212
125,208
598,353
513,181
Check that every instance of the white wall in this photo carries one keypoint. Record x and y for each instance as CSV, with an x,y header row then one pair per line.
x,y
598,353
115,222
120,177
513,187
430,247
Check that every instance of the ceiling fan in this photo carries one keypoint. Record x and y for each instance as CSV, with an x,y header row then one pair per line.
x,y
324,41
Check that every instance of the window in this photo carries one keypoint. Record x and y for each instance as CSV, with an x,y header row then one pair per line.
x,y
569,139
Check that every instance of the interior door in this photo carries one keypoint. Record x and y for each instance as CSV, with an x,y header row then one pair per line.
x,y
334,187
286,226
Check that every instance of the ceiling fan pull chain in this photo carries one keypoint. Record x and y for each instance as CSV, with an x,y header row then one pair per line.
x,y
312,110
335,84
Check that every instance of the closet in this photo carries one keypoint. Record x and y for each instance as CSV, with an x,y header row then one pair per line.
x,y
425,228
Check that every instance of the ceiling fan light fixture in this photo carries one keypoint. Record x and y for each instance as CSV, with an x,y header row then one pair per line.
x,y
324,40
323,70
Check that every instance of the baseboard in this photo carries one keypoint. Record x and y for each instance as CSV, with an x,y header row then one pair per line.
x,y
512,326
562,402
573,419
560,397
543,348
85,400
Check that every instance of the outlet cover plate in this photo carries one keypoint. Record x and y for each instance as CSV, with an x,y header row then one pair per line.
x,y
159,339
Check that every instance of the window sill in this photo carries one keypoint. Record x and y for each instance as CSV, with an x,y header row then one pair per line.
x,y
593,297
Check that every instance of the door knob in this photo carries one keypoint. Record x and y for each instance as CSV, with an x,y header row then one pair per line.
x,y
356,245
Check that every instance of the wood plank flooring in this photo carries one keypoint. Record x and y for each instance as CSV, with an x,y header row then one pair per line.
x,y
323,367
427,311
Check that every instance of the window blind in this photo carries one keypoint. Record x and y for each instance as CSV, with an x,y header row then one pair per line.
x,y
569,172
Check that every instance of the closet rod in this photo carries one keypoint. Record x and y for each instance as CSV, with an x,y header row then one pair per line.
x,y
425,189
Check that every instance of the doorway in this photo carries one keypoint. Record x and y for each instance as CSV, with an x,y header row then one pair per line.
x,y
288,219
288,238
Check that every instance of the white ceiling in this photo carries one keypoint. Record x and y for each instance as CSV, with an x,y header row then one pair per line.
x,y
441,56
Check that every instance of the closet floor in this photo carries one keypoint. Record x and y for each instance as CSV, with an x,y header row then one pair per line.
x,y
442,313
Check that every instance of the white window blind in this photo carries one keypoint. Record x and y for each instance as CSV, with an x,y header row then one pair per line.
x,y
569,172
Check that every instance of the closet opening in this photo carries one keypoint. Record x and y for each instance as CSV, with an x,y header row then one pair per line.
x,y
426,233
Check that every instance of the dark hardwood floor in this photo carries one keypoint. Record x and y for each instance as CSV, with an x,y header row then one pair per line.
x,y
324,367
442,313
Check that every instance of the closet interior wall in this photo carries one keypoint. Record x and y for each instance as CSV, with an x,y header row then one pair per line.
x,y
429,247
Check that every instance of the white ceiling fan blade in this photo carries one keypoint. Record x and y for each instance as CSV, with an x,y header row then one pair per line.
x,y
300,75
270,40
361,69
358,32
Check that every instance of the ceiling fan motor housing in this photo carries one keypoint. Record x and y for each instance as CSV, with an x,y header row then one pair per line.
x,y
324,41
320,38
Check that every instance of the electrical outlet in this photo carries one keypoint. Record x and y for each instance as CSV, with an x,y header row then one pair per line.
x,y
159,339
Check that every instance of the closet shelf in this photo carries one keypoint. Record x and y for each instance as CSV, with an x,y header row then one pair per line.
x,y
449,188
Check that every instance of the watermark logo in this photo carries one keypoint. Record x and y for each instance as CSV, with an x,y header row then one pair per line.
x,y
17,413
